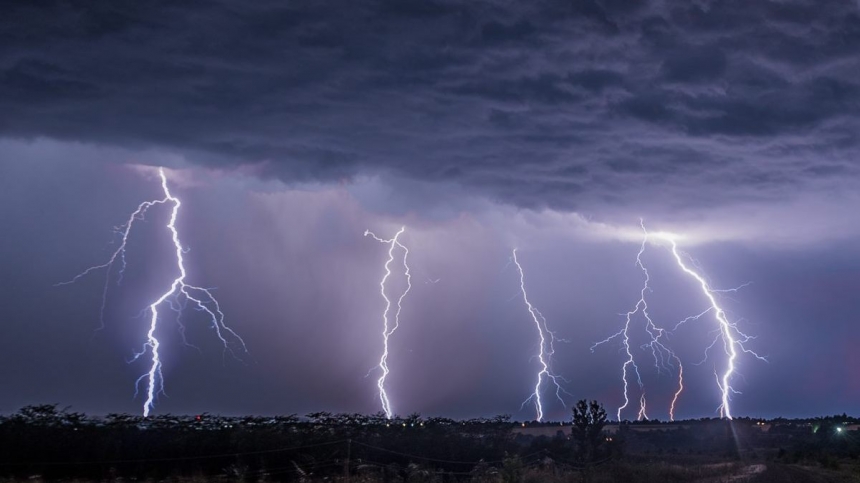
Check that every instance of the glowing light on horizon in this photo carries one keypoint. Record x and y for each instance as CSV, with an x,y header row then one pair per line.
x,y
388,327
178,290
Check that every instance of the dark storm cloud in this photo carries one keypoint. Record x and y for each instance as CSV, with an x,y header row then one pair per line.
x,y
561,104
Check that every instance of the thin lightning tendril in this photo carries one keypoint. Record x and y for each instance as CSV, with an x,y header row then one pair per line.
x,y
547,349
124,231
388,327
176,297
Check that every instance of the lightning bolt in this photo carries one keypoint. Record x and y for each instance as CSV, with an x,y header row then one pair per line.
x,y
679,391
176,297
547,349
662,355
642,415
733,339
388,327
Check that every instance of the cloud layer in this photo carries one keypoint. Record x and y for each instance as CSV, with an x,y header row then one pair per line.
x,y
598,106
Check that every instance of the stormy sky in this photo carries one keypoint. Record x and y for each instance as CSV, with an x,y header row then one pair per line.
x,y
289,128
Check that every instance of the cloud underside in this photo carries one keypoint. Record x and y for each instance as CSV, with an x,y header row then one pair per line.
x,y
665,106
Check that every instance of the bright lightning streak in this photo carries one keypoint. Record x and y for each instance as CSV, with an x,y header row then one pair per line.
x,y
679,391
202,297
733,338
547,349
642,415
389,328
661,354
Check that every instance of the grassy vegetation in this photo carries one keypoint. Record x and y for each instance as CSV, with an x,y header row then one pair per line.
x,y
619,471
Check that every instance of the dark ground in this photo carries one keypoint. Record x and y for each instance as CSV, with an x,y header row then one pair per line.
x,y
44,443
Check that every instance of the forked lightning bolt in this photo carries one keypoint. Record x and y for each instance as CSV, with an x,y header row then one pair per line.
x,y
176,297
546,351
733,339
662,355
388,326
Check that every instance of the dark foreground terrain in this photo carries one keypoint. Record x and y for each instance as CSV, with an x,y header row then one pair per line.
x,y
44,443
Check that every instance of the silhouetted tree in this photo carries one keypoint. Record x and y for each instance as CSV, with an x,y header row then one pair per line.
x,y
587,434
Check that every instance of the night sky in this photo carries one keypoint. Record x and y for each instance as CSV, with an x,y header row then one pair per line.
x,y
289,128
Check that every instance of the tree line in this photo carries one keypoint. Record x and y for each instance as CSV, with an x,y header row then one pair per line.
x,y
56,442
